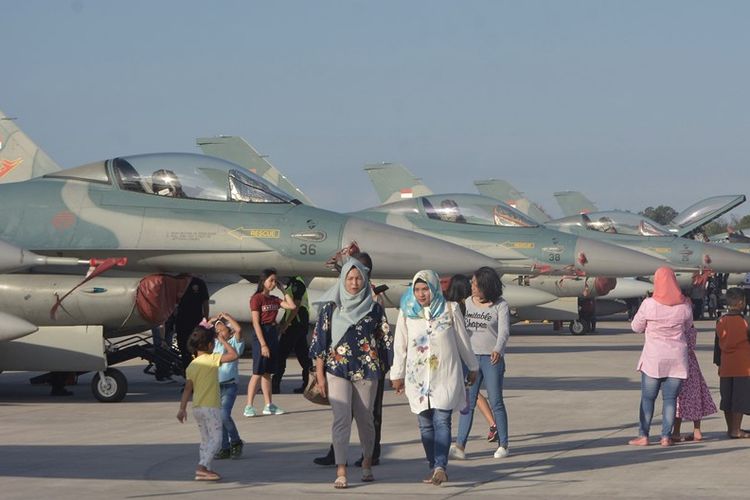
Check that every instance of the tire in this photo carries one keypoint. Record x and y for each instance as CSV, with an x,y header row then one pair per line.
x,y
111,388
577,327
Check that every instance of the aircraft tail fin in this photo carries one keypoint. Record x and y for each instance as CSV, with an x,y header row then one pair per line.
x,y
504,191
574,203
393,182
20,158
239,151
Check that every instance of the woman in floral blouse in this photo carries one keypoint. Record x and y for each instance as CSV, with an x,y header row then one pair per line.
x,y
430,343
350,345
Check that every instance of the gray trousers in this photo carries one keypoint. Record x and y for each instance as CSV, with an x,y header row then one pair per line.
x,y
351,399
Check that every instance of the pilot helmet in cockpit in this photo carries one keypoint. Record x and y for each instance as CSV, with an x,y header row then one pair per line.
x,y
607,225
165,183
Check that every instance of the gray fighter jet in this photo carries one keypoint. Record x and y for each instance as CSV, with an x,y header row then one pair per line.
x,y
644,235
683,224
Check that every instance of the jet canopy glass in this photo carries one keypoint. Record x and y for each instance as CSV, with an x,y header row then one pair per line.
x,y
473,209
623,223
710,207
184,175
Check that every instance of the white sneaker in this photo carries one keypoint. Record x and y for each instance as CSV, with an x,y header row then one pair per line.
x,y
501,452
272,409
457,453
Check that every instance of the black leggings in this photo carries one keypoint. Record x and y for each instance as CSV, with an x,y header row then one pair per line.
x,y
294,339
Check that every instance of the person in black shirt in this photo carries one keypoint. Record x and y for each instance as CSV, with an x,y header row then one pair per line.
x,y
193,307
293,336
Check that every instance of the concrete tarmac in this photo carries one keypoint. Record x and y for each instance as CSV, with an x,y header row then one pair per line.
x,y
572,406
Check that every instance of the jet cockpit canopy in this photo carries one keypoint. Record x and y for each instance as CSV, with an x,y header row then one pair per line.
x,y
193,176
623,223
473,209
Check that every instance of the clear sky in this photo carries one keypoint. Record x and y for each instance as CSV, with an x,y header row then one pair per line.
x,y
636,103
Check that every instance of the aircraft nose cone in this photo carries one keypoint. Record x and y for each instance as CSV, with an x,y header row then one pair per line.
x,y
397,253
525,296
597,258
725,260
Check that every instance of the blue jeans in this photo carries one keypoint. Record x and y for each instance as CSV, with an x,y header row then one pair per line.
x,y
229,432
435,428
649,390
492,375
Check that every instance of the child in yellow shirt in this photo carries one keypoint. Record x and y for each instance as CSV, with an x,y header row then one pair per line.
x,y
202,381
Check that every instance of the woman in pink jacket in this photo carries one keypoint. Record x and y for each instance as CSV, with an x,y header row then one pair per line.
x,y
665,317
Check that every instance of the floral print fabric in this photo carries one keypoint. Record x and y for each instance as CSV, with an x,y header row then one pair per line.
x,y
365,350
427,354
694,401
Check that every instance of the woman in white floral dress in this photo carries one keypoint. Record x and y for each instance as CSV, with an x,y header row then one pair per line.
x,y
429,345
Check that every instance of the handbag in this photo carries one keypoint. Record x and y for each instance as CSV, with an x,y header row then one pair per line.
x,y
312,391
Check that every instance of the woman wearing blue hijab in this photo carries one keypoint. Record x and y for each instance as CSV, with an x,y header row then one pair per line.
x,y
350,346
429,345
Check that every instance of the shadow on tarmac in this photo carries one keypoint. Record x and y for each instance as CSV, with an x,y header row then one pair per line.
x,y
266,463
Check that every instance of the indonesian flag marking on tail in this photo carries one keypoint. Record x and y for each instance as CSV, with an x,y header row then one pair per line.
x,y
407,193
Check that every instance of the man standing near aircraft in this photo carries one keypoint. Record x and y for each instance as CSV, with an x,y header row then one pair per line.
x,y
293,335
193,307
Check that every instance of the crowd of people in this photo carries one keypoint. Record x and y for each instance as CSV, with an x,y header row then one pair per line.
x,y
445,346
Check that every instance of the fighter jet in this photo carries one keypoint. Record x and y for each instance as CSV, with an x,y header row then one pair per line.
x,y
484,219
644,235
153,214
683,224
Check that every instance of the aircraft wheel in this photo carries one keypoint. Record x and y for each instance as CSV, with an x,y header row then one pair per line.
x,y
577,327
110,388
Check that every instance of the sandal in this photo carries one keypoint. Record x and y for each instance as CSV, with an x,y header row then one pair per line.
x,y
428,479
439,476
340,483
681,438
367,476
639,441
206,476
